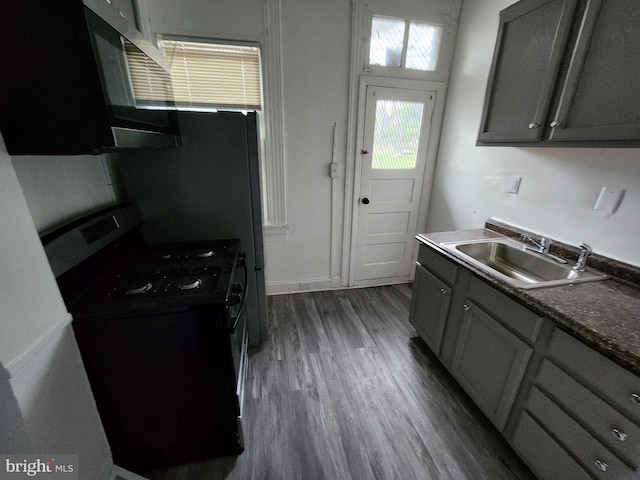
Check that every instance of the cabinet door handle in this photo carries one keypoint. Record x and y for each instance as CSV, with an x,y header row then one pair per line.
x,y
466,307
533,125
555,124
444,291
618,434
600,465
635,398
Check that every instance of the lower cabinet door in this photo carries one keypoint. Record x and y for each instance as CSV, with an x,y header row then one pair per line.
x,y
429,307
489,362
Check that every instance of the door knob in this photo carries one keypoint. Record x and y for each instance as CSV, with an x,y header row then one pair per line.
x,y
365,201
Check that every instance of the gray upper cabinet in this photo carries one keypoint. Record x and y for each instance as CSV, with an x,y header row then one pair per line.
x,y
600,98
531,40
564,73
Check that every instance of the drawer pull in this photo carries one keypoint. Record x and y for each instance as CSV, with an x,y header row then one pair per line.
x,y
443,291
618,434
600,465
635,398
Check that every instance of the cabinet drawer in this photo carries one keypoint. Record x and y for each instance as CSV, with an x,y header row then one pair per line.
x,y
611,381
599,461
611,427
539,450
516,317
446,270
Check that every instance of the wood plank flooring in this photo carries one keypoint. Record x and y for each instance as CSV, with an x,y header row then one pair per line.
x,y
345,389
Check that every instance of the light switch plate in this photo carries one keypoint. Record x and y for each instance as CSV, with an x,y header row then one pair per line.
x,y
514,184
609,199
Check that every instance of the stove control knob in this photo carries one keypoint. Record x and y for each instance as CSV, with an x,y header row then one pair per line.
x,y
235,299
236,288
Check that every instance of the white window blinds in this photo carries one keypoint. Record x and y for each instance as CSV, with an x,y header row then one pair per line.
x,y
151,84
206,75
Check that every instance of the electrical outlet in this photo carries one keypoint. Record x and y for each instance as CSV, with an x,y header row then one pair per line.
x,y
514,184
609,199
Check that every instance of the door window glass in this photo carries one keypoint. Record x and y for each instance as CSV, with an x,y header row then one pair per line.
x,y
396,135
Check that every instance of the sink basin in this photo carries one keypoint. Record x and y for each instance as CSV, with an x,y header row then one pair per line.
x,y
507,259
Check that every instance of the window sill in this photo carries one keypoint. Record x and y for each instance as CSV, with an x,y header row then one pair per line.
x,y
276,233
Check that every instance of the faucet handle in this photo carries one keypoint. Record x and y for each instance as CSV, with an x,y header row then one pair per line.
x,y
585,251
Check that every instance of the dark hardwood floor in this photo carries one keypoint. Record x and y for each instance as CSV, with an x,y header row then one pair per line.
x,y
345,389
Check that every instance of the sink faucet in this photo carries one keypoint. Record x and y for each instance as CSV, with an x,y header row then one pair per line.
x,y
541,247
585,251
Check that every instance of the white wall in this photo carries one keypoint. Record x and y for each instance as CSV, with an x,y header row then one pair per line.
x,y
316,45
42,380
559,185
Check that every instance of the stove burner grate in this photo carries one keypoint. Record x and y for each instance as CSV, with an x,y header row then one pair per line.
x,y
189,283
137,288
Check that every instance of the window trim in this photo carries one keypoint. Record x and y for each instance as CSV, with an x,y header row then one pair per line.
x,y
275,218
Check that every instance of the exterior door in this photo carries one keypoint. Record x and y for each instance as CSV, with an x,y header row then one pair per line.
x,y
393,155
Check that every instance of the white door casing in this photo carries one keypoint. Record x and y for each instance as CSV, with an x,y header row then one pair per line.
x,y
392,152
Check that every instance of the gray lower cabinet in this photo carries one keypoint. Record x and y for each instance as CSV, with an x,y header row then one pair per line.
x,y
585,407
569,412
432,293
489,362
541,452
491,335
430,307
493,348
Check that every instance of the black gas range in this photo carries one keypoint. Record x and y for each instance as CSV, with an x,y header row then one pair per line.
x,y
162,333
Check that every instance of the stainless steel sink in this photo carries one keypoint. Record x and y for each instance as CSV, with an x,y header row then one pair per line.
x,y
508,260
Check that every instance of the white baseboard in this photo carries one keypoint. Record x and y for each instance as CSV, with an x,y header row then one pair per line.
x,y
282,288
312,285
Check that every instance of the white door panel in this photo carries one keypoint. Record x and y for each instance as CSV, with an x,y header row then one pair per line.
x,y
388,223
393,155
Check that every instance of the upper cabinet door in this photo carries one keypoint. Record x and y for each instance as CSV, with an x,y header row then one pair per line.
x,y
532,38
600,97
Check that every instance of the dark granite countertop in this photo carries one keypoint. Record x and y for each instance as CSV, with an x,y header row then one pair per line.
x,y
605,314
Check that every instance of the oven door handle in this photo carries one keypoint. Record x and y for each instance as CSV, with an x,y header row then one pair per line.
x,y
234,321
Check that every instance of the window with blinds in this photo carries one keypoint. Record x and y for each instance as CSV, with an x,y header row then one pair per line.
x,y
203,76
151,83
207,75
